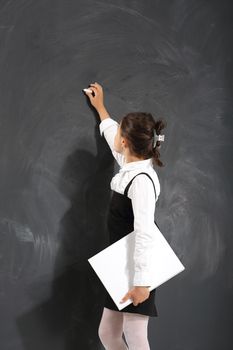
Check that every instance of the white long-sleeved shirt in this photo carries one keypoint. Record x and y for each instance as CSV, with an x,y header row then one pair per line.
x,y
143,198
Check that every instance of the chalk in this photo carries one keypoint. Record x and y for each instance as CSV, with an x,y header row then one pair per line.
x,y
87,90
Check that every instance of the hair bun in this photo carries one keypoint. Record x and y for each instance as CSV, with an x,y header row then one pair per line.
x,y
159,125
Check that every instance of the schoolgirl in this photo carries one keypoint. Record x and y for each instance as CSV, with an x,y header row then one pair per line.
x,y
134,144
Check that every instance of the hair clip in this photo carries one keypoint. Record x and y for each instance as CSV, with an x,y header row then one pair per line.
x,y
157,138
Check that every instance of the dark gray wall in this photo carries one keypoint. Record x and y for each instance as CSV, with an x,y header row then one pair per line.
x,y
171,58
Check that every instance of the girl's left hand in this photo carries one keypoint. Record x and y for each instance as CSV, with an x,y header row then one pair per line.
x,y
138,294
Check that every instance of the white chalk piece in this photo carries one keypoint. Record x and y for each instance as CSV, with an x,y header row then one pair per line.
x,y
114,265
87,90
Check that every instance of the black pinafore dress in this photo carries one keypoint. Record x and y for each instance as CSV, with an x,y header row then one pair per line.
x,y
120,222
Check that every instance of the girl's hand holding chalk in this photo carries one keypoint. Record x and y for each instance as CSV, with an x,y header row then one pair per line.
x,y
97,100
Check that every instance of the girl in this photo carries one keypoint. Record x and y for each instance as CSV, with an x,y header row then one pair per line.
x,y
134,144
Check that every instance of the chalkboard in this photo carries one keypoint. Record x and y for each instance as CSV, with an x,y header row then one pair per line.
x,y
170,58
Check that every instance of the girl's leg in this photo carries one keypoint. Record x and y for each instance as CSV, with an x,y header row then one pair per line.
x,y
135,331
111,330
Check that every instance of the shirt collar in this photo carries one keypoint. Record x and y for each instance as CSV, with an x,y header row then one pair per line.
x,y
137,164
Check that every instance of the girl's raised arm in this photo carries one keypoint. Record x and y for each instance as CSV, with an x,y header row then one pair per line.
x,y
108,126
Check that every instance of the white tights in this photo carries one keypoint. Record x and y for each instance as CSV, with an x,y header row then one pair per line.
x,y
114,323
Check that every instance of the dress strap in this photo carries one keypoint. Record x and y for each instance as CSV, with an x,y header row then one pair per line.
x,y
127,187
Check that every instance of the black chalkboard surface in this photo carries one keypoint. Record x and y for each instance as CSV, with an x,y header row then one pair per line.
x,y
171,58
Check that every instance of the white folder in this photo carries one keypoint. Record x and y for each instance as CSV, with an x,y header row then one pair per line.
x,y
114,265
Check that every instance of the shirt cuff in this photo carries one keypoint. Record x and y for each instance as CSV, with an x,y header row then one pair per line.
x,y
106,123
142,278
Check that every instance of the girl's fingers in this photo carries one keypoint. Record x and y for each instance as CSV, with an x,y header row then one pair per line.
x,y
94,89
96,85
126,297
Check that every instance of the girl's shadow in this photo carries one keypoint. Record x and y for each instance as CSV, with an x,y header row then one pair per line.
x,y
69,319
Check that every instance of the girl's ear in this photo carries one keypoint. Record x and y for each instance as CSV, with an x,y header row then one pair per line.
x,y
124,142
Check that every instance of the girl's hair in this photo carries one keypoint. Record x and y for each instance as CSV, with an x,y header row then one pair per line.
x,y
137,128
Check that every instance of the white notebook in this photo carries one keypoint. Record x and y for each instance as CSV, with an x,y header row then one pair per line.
x,y
114,265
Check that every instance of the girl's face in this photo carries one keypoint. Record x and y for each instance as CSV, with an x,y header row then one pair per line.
x,y
119,141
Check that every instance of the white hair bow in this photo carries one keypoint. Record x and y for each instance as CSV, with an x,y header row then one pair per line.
x,y
157,137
